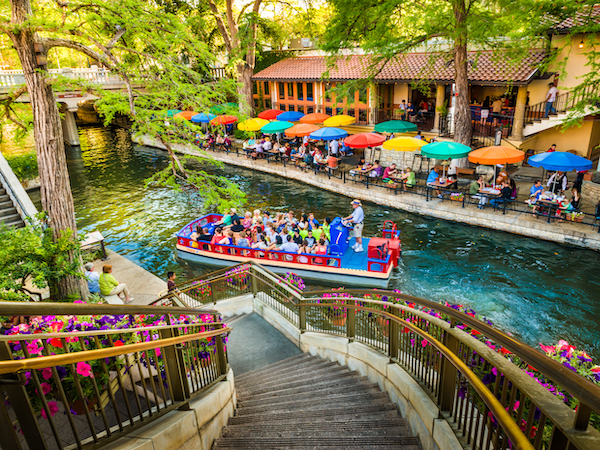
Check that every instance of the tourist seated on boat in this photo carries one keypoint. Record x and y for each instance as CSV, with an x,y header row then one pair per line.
x,y
296,237
289,246
217,236
201,234
278,242
228,238
303,247
279,221
266,218
312,222
270,231
243,240
237,226
247,222
261,244
321,248
310,239
227,218
196,233
257,217
390,171
326,226
257,232
376,170
290,219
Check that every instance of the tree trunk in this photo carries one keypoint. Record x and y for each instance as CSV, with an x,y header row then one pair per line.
x,y
57,199
463,127
246,98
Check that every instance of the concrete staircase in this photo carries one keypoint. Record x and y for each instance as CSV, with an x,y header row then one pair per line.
x,y
306,402
8,213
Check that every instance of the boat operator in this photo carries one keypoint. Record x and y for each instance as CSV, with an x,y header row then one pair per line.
x,y
357,218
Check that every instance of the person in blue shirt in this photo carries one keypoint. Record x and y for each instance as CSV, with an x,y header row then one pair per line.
x,y
536,190
432,178
92,277
357,218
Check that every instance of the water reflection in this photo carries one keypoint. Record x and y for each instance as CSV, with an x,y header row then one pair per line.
x,y
537,290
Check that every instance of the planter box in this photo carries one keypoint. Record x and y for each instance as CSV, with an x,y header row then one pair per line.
x,y
456,199
574,219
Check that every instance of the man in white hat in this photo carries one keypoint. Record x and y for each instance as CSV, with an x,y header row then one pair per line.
x,y
357,218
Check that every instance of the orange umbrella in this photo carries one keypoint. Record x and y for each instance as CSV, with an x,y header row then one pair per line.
x,y
302,129
187,115
489,156
223,120
314,118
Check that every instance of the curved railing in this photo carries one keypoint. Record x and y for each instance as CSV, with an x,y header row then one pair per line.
x,y
493,389
81,374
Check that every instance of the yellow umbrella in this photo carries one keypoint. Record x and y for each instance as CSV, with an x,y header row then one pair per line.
x,y
339,121
404,144
252,124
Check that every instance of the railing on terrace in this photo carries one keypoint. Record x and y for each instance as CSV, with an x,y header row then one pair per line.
x,y
562,104
81,376
494,391
9,78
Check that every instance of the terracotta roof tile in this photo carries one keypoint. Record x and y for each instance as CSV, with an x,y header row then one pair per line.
x,y
483,67
580,19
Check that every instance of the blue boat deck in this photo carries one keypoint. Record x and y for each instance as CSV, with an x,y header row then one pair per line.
x,y
353,260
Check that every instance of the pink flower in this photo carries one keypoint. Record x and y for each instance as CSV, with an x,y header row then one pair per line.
x,y
56,327
33,348
561,344
424,343
157,350
53,407
84,369
595,369
46,388
47,373
548,348
78,301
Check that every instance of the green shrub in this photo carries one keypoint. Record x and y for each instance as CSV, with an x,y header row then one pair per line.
x,y
24,166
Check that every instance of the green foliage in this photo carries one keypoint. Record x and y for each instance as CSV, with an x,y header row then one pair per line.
x,y
25,166
31,254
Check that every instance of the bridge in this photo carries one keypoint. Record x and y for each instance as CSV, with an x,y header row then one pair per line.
x,y
353,369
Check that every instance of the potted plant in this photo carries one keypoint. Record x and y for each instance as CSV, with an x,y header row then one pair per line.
x,y
575,216
457,196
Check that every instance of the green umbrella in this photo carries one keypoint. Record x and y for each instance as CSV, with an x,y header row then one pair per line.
x,y
172,112
395,126
276,127
220,109
445,150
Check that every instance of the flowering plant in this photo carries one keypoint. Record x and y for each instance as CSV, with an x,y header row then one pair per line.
x,y
238,277
295,281
457,196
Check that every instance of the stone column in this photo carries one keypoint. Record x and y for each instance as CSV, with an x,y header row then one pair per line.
x,y
70,133
519,118
440,97
373,104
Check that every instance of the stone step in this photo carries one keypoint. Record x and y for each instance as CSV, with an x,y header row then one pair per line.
x,y
305,366
340,399
275,367
346,383
2,192
309,412
325,392
302,384
307,373
7,218
334,442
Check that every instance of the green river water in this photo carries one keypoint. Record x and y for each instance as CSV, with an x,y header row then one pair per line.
x,y
538,291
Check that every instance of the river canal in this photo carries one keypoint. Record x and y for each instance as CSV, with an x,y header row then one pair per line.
x,y
538,291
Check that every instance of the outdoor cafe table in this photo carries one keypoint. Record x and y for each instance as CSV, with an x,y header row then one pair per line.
x,y
550,204
437,185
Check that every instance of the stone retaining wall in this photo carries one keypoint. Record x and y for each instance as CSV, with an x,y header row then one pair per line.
x,y
513,222
590,191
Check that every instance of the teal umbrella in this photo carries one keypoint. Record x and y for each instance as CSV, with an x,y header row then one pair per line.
x,y
172,112
395,126
445,150
277,126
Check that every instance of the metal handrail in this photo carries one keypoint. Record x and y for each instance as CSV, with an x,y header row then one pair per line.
x,y
13,196
507,423
42,362
583,389
38,309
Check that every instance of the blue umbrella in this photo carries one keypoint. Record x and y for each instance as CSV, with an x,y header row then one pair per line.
x,y
290,116
203,118
563,161
328,134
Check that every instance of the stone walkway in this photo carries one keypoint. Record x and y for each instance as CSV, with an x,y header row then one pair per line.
x,y
512,222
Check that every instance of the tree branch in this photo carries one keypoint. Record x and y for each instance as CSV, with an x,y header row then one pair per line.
x,y
220,25
67,43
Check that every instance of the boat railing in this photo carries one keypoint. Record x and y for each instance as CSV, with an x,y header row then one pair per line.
x,y
495,391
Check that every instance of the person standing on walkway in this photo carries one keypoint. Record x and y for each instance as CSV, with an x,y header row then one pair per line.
x,y
92,277
550,99
357,218
110,286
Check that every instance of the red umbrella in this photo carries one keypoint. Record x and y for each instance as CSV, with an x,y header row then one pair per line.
x,y
223,120
363,140
314,118
270,114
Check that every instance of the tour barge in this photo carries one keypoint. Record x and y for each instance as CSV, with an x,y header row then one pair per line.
x,y
341,265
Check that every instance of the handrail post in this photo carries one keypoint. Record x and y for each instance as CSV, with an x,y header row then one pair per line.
x,y
221,352
253,283
351,321
175,369
448,375
302,316
19,400
393,333
582,417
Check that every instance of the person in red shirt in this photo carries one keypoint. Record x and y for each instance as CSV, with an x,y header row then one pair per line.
x,y
552,148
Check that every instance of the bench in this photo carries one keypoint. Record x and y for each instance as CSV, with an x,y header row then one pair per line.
x,y
92,239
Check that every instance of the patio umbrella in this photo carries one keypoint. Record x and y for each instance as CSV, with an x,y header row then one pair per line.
x,y
328,134
445,150
490,156
395,126
172,112
252,124
276,127
302,129
290,116
563,161
363,140
202,118
223,120
404,144
339,121
270,114
314,118
217,109
187,115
